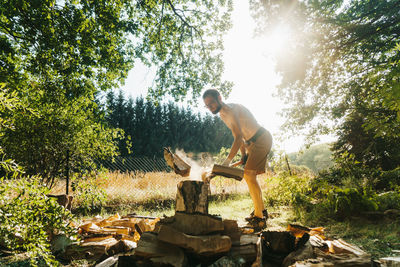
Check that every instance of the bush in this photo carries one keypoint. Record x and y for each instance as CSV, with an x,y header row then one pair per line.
x,y
389,200
283,188
335,203
387,180
28,217
88,192
356,175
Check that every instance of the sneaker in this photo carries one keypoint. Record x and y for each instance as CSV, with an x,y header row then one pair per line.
x,y
265,214
257,223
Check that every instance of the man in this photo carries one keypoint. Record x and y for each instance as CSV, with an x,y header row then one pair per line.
x,y
254,143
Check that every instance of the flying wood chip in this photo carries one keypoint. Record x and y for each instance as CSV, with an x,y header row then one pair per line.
x,y
176,163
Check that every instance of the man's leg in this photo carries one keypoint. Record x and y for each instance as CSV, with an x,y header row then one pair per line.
x,y
250,177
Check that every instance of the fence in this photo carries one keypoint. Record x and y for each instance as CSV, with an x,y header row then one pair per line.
x,y
136,164
143,178
140,179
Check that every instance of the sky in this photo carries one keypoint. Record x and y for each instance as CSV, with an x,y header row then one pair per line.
x,y
250,66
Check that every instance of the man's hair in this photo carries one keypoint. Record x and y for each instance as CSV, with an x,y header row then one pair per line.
x,y
211,92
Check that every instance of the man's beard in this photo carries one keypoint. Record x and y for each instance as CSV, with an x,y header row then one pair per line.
x,y
218,109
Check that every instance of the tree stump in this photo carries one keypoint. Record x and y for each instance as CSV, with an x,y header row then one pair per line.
x,y
192,197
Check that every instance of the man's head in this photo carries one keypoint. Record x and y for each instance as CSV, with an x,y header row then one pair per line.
x,y
212,100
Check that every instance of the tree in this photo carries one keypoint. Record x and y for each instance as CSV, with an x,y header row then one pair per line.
x,y
58,55
339,51
152,127
316,157
9,103
342,64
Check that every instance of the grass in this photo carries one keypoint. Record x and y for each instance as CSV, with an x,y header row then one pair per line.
x,y
380,239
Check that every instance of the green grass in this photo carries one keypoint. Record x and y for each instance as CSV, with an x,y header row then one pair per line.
x,y
380,239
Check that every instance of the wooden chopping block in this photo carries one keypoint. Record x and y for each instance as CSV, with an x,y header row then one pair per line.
x,y
228,172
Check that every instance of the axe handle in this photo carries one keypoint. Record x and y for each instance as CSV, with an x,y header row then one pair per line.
x,y
236,163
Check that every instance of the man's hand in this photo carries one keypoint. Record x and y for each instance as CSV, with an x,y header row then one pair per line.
x,y
226,162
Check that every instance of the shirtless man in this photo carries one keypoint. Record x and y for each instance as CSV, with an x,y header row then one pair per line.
x,y
254,143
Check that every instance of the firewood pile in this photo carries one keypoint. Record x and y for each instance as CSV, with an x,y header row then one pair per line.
x,y
193,237
101,238
302,246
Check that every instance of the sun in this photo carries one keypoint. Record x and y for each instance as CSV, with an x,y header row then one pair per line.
x,y
276,40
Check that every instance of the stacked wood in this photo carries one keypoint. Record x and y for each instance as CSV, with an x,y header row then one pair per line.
x,y
193,224
202,245
248,248
202,237
152,250
303,246
101,238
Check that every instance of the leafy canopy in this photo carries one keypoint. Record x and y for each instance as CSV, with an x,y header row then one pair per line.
x,y
57,56
340,53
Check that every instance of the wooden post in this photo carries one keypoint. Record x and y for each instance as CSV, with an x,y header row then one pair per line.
x,y
67,174
288,166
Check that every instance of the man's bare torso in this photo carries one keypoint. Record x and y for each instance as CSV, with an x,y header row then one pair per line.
x,y
239,120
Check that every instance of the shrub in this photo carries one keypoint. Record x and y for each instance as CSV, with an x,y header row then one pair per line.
x,y
283,188
388,179
88,192
28,217
335,203
389,200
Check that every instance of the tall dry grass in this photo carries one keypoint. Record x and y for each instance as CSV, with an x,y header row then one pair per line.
x,y
138,187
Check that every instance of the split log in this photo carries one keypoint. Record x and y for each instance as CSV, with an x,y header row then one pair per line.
x,y
119,230
126,222
343,260
205,245
317,242
109,262
248,248
151,248
303,253
97,250
258,261
298,230
232,230
340,246
176,163
229,172
192,197
97,238
279,242
390,261
194,224
90,250
108,221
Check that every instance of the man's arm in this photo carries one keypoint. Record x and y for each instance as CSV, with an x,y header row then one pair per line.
x,y
233,123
